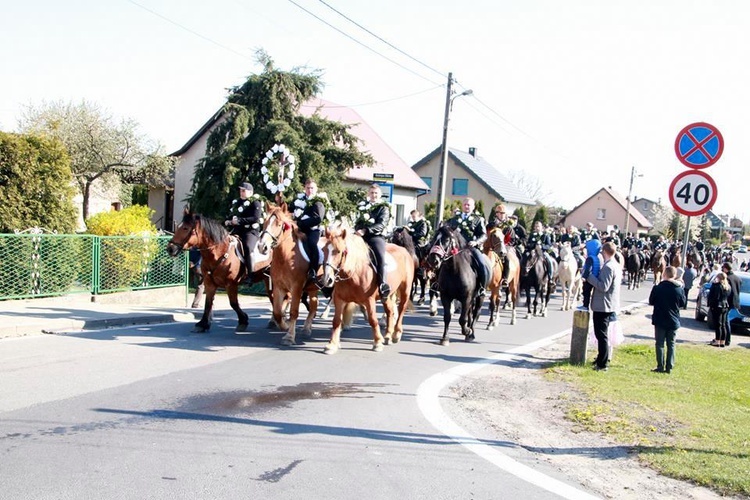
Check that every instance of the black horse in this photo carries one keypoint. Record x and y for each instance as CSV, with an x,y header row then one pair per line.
x,y
534,274
633,265
456,280
402,238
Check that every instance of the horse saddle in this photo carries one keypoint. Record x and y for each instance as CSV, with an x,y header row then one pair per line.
x,y
239,251
302,251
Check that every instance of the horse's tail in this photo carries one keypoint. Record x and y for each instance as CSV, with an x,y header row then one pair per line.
x,y
349,309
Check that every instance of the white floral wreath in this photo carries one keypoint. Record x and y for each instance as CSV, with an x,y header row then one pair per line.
x,y
241,208
364,208
300,204
278,168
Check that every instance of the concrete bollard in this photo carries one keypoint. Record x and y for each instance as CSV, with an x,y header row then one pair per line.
x,y
579,337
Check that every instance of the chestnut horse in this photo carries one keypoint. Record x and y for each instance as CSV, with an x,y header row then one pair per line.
x,y
658,264
220,265
280,236
495,245
346,261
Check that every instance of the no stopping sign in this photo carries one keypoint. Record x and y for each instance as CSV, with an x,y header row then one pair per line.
x,y
693,192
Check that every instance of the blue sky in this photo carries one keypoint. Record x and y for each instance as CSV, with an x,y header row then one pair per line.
x,y
575,93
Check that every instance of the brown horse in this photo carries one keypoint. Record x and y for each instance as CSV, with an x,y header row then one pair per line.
x,y
346,261
220,265
658,264
493,246
281,236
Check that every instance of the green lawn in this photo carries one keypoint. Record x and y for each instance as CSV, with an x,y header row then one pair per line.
x,y
692,424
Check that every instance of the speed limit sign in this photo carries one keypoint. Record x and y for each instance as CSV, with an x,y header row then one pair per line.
x,y
693,192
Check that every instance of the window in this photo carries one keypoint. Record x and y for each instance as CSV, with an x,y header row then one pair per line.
x,y
399,215
460,187
601,214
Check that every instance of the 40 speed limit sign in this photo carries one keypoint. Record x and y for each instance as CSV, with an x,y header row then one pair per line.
x,y
693,193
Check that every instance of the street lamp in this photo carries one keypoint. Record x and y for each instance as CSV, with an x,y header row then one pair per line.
x,y
630,195
444,149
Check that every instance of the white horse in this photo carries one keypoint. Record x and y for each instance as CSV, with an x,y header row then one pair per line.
x,y
569,276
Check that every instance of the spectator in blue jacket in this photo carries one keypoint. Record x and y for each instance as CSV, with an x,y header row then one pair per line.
x,y
668,297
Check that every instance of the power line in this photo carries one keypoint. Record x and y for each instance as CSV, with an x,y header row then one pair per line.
x,y
189,30
382,40
360,43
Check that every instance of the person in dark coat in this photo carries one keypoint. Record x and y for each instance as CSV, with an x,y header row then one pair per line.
x,y
375,214
309,222
689,278
474,230
718,302
735,283
245,220
668,297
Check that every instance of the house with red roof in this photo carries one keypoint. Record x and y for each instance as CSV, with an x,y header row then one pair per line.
x,y
406,185
606,209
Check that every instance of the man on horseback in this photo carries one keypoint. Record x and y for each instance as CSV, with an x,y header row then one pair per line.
x,y
420,230
542,238
573,237
473,229
245,219
374,217
589,233
510,240
309,223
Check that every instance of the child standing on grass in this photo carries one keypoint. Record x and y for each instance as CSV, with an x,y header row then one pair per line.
x,y
590,268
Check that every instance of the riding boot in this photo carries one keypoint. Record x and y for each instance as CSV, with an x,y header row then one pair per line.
x,y
506,271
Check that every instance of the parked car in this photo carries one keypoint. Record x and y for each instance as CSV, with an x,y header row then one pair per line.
x,y
742,249
739,318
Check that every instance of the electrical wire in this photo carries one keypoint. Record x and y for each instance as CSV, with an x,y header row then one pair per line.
x,y
361,43
244,56
382,39
378,102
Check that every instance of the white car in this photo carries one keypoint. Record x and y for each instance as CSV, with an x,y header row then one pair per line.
x,y
742,249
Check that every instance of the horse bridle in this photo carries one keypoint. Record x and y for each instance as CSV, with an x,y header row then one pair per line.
x,y
444,254
189,235
275,239
337,271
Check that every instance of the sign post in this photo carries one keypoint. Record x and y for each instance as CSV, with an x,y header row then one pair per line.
x,y
693,192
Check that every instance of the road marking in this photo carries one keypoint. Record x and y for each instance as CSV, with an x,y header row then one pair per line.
x,y
428,399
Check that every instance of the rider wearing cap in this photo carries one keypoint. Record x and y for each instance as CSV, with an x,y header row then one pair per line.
x,y
244,220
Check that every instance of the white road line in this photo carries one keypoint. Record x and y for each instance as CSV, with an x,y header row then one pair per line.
x,y
428,399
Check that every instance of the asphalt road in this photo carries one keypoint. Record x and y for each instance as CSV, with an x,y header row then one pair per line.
x,y
158,412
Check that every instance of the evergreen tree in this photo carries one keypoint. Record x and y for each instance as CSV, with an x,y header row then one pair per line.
x,y
541,215
262,112
35,184
521,214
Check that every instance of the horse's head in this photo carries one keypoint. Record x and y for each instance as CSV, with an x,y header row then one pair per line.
x,y
278,224
446,244
185,236
496,239
335,253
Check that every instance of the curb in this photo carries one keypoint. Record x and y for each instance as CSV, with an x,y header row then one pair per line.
x,y
63,326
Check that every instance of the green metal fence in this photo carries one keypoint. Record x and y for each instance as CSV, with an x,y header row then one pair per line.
x,y
44,265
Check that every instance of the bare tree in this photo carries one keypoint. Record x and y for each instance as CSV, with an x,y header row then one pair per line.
x,y
530,185
99,147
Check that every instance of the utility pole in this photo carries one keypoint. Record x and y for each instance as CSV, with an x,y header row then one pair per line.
x,y
444,155
630,195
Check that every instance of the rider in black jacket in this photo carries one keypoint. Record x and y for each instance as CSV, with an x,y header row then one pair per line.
x,y
474,230
375,213
309,222
245,220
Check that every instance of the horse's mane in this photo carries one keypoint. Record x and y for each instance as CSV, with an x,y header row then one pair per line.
x,y
404,237
447,230
355,246
212,229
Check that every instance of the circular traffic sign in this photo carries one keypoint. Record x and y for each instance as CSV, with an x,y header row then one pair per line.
x,y
693,192
699,145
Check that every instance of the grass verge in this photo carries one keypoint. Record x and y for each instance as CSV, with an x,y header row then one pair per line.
x,y
692,424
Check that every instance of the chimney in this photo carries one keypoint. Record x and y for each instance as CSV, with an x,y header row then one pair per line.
x,y
473,152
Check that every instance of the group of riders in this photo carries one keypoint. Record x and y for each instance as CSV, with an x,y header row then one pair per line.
x,y
373,224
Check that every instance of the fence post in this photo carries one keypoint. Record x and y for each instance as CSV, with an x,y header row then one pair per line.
x,y
96,249
579,337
